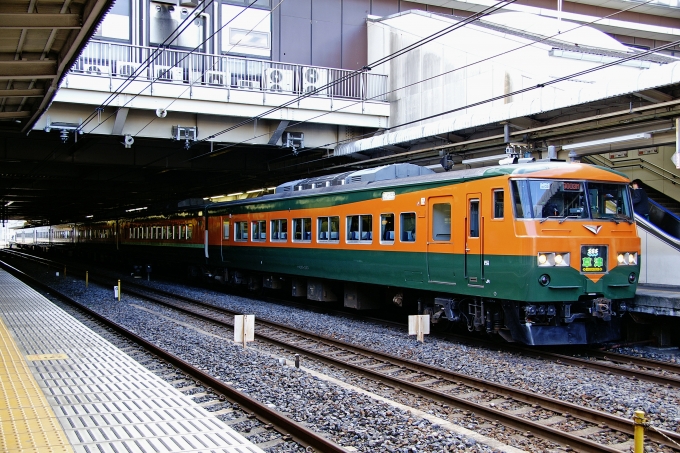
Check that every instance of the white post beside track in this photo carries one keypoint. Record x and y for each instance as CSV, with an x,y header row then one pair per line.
x,y
419,325
244,329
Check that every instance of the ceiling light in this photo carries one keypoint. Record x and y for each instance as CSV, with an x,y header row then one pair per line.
x,y
235,194
255,191
606,141
89,216
9,203
135,209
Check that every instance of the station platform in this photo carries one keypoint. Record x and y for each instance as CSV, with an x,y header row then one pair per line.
x,y
657,300
66,389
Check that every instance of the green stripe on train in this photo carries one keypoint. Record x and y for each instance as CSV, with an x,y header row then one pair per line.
x,y
504,277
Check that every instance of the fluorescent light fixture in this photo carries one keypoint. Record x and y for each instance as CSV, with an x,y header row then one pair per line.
x,y
136,209
606,141
477,160
89,216
597,58
217,196
9,203
271,188
255,191
235,194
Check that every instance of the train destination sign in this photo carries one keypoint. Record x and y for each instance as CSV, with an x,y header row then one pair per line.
x,y
593,258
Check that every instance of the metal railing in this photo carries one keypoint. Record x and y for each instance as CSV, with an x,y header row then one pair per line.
x,y
635,163
113,60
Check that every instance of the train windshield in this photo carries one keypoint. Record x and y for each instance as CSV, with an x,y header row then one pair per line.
x,y
551,199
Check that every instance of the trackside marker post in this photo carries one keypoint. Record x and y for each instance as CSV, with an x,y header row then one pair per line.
x,y
419,325
244,329
118,290
87,278
639,431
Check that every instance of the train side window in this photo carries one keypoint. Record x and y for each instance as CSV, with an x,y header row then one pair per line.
x,y
225,229
279,230
498,204
360,228
474,218
407,227
387,228
190,231
328,229
241,231
302,230
259,230
441,222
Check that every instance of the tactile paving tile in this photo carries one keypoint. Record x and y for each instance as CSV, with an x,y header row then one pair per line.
x,y
103,399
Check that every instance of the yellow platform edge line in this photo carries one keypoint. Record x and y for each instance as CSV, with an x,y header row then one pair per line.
x,y
31,424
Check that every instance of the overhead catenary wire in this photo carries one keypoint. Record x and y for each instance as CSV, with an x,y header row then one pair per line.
x,y
524,90
213,65
218,151
157,51
364,69
191,52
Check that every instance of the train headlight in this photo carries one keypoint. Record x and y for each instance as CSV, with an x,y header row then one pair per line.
x,y
627,258
553,259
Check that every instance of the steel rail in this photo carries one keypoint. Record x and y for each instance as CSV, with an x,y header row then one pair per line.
x,y
282,423
593,416
522,424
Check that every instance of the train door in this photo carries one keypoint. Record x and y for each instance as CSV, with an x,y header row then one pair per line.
x,y
473,240
440,260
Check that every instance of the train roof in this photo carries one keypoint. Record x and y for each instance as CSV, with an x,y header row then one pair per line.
x,y
399,175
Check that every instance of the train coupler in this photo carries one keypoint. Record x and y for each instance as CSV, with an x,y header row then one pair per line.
x,y
602,308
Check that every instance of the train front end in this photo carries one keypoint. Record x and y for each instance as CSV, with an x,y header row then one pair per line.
x,y
580,257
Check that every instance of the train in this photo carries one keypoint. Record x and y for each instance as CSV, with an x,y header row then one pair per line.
x,y
540,253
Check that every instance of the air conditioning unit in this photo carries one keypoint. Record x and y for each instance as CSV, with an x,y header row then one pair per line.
x,y
220,78
248,84
169,73
95,69
127,68
314,78
278,80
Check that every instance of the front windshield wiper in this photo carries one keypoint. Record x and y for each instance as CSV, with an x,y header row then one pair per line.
x,y
569,217
625,218
550,217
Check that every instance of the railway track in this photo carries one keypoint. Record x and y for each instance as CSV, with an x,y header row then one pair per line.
x,y
522,410
288,428
655,371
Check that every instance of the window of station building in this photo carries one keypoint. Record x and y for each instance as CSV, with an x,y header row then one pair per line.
x,y
247,30
360,228
407,225
241,231
182,231
387,228
279,229
225,229
259,230
441,222
498,206
302,230
190,231
116,24
163,24
328,229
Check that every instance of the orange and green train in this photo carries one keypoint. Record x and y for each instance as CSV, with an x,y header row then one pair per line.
x,y
541,253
